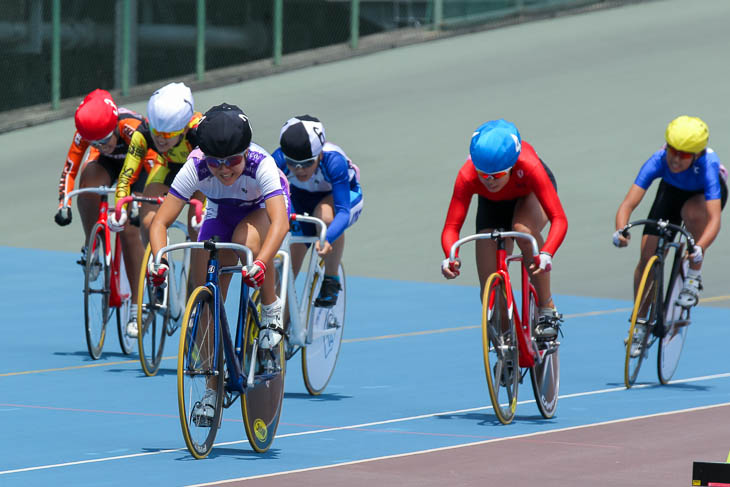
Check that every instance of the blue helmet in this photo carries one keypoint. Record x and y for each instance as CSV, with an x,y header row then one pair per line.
x,y
495,146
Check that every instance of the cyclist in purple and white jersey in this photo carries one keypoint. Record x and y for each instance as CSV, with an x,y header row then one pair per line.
x,y
247,203
323,183
693,190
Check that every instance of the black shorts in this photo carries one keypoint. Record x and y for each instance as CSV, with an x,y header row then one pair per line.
x,y
499,214
173,170
669,201
113,167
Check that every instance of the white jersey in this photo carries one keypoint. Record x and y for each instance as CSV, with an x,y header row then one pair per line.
x,y
259,181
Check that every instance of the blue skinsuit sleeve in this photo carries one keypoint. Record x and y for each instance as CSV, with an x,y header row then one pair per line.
x,y
278,156
337,169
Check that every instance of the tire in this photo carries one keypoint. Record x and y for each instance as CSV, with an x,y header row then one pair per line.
x,y
676,319
261,403
96,292
320,357
152,321
545,375
196,372
643,319
501,355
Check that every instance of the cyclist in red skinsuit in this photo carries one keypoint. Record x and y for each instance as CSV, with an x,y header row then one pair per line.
x,y
106,132
516,191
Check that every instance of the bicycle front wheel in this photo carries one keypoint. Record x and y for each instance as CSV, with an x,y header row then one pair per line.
x,y
261,403
153,315
97,279
643,319
326,326
197,372
545,374
123,312
676,319
499,341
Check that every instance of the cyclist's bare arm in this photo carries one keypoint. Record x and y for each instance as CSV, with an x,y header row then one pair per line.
x,y
627,206
166,215
714,213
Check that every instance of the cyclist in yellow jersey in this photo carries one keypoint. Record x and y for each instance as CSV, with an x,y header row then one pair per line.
x,y
170,130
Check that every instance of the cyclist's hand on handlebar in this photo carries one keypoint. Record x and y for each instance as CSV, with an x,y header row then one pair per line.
x,y
63,216
450,269
117,225
696,256
619,240
158,275
542,263
195,224
253,275
323,250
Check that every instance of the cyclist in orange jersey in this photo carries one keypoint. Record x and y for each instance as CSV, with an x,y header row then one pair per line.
x,y
106,131
171,131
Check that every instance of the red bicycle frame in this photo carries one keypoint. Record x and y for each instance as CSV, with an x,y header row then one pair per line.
x,y
115,295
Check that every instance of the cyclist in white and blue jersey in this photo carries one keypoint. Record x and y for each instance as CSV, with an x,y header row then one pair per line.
x,y
693,190
323,183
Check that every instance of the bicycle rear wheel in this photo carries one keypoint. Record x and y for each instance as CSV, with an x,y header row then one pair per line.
x,y
545,375
96,292
676,319
153,316
197,372
261,403
499,341
643,319
326,324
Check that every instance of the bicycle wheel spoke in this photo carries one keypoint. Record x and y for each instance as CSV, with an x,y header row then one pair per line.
x,y
96,292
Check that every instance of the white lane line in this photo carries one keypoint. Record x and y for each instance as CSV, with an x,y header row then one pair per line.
x,y
464,445
399,420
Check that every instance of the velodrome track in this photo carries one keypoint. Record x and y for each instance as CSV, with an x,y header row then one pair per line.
x,y
592,93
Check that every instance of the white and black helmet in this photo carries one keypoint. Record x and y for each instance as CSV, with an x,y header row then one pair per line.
x,y
302,138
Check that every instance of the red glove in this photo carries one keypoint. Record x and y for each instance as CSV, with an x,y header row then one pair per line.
x,y
158,276
253,275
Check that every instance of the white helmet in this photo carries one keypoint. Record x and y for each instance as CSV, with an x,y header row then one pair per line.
x,y
170,108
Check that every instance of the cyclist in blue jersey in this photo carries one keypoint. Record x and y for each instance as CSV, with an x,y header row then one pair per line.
x,y
323,183
693,190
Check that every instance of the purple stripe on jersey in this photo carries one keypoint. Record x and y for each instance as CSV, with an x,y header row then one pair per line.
x,y
253,159
176,194
201,169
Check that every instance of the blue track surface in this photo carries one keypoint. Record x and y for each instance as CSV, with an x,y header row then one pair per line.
x,y
410,377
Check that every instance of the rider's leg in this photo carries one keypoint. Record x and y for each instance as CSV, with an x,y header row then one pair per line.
x,y
92,175
529,217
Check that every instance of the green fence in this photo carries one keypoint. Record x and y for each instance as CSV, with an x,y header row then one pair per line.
x,y
56,49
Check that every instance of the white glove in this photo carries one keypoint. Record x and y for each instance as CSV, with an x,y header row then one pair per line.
x,y
117,225
546,261
195,223
696,256
158,275
617,235
452,266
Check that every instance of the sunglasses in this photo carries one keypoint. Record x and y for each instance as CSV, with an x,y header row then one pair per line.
x,y
300,164
167,135
101,142
679,153
493,175
231,161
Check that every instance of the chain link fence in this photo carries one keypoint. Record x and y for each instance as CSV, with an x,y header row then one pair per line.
x,y
62,49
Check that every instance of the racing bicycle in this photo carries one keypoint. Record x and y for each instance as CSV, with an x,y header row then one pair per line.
x,y
656,315
509,345
210,357
316,331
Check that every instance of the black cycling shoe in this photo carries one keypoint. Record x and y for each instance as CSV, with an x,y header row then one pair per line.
x,y
328,293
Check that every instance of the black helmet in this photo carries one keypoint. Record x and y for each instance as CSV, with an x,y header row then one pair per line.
x,y
302,138
224,131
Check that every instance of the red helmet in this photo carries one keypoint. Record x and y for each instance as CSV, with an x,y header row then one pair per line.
x,y
97,115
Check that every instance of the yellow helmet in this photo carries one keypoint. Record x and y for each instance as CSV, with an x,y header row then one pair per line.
x,y
687,134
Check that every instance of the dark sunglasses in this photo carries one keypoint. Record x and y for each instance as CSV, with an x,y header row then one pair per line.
x,y
679,153
101,142
300,164
215,163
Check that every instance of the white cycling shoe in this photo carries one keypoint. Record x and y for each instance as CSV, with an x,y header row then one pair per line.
x,y
131,329
690,294
271,329
204,410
